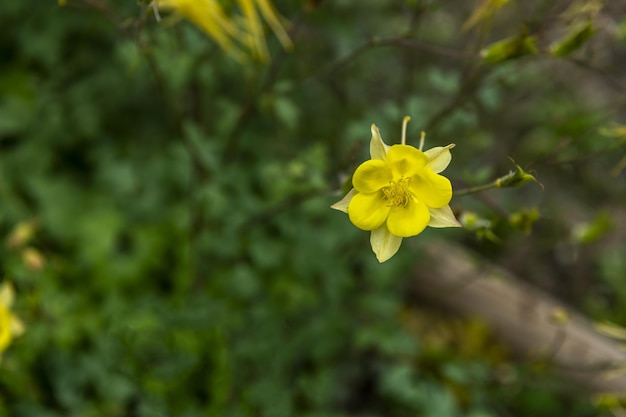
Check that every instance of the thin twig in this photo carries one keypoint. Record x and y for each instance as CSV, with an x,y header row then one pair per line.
x,y
614,82
476,189
386,42
422,46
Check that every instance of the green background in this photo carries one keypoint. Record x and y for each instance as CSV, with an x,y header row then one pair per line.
x,y
192,265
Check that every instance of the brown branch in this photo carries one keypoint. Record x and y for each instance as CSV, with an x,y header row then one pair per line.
x,y
532,323
386,42
424,47
614,82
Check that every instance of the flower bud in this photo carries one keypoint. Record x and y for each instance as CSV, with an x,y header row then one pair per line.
x,y
573,40
510,48
515,178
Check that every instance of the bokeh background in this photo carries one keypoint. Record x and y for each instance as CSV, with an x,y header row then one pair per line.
x,y
165,217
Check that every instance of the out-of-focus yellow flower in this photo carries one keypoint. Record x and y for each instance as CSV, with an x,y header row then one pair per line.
x,y
238,33
33,259
22,233
398,193
10,325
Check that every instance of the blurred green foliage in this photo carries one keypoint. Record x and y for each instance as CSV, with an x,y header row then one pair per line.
x,y
183,260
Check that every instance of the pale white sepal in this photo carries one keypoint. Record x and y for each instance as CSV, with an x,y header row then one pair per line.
x,y
378,148
342,205
439,157
443,217
384,244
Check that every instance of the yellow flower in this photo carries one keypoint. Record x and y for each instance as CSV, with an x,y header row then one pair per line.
x,y
10,325
238,34
398,193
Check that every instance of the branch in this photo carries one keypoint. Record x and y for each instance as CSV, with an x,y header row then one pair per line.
x,y
532,323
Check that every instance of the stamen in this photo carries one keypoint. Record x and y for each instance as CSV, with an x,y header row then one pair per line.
x,y
422,139
397,193
405,121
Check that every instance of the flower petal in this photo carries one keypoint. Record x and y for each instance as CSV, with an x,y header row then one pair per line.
x,y
5,328
342,205
384,244
368,211
443,217
405,160
410,220
378,148
371,176
439,157
432,189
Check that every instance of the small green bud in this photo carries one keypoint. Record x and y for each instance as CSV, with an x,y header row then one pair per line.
x,y
592,231
471,221
524,219
574,39
510,48
515,178
481,227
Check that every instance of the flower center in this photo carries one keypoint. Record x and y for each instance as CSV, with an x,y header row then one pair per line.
x,y
397,193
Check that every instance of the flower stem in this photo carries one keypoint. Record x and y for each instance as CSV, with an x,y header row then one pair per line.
x,y
476,189
512,179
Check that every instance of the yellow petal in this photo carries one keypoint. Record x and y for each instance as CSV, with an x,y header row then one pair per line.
x,y
252,23
342,205
439,157
210,17
384,244
371,176
6,335
272,17
410,220
368,211
6,295
378,148
443,217
405,160
432,189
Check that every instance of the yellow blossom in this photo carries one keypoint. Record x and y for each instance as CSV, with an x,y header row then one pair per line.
x,y
22,233
33,259
398,193
10,325
238,34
